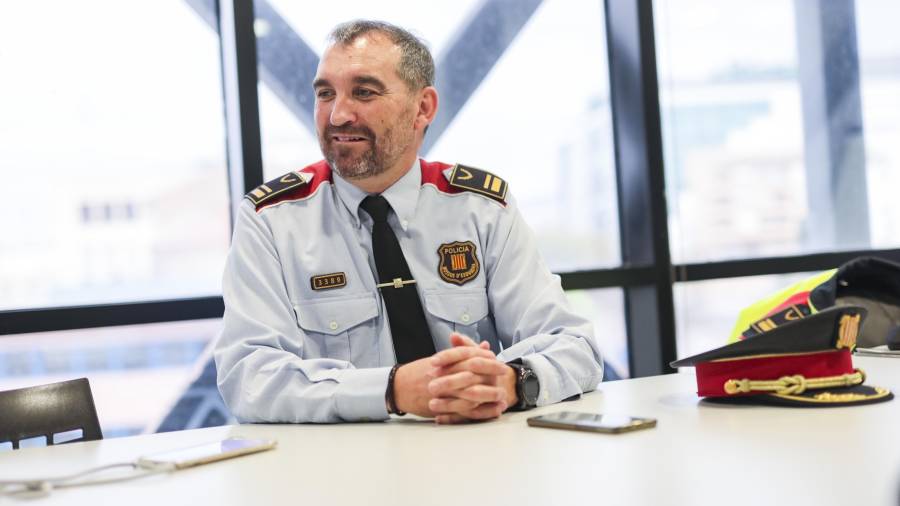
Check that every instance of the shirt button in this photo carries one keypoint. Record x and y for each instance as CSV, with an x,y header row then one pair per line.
x,y
333,325
465,318
404,224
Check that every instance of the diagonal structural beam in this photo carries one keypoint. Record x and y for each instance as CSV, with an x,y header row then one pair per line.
x,y
472,53
834,147
286,63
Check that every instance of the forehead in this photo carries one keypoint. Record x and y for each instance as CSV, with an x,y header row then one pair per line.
x,y
370,54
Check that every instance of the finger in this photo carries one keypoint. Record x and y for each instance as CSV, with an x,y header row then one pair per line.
x,y
477,365
457,339
445,384
451,419
482,412
485,411
450,405
478,393
453,355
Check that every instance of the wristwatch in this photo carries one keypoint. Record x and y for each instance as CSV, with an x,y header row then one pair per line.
x,y
527,386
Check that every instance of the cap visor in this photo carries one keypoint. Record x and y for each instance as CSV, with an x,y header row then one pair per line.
x,y
857,395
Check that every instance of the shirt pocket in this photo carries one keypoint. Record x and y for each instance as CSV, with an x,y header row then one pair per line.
x,y
462,310
331,323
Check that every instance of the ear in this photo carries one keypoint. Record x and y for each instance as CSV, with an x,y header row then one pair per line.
x,y
428,105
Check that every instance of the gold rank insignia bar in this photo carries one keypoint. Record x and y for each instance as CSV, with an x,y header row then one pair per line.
x,y
479,181
264,192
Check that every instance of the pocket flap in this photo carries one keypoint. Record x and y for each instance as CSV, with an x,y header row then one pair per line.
x,y
458,306
333,316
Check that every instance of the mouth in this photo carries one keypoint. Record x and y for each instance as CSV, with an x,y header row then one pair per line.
x,y
348,139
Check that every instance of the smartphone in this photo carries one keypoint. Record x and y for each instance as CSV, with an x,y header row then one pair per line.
x,y
591,422
206,453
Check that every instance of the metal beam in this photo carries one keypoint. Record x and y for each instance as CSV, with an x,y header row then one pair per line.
x,y
238,43
108,315
472,53
608,278
776,265
643,222
832,124
287,65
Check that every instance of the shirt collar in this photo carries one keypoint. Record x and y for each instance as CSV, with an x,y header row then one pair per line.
x,y
402,195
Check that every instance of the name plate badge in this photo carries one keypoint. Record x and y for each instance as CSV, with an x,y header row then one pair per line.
x,y
328,281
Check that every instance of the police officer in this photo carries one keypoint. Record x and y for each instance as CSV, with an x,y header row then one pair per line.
x,y
375,283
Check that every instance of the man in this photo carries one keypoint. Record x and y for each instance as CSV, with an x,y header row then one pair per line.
x,y
374,283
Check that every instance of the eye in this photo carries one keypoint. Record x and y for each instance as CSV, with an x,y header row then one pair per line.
x,y
324,94
363,93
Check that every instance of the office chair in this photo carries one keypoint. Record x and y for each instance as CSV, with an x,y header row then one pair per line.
x,y
46,410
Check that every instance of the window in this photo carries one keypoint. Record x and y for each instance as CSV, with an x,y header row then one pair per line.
x,y
732,129
137,372
706,311
113,154
606,310
879,62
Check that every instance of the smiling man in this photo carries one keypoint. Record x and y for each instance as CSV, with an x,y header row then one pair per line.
x,y
374,283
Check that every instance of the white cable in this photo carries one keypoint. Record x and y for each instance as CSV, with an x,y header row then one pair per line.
x,y
37,487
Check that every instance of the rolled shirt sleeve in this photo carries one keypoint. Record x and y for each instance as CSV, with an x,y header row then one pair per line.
x,y
533,317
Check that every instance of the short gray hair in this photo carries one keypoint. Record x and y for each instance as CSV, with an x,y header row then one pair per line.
x,y
416,66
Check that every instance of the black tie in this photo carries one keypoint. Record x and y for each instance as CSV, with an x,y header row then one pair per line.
x,y
412,340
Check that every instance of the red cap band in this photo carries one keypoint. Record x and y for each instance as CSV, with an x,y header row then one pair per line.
x,y
711,376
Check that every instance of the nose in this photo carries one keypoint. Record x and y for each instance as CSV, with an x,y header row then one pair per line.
x,y
342,112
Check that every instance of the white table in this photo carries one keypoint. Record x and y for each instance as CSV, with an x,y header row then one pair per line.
x,y
700,453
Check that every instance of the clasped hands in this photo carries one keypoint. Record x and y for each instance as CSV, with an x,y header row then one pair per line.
x,y
461,384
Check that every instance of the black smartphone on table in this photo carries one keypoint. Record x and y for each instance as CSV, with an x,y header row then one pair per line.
x,y
592,422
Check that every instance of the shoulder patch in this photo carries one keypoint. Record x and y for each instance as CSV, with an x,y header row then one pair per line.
x,y
292,186
478,181
265,192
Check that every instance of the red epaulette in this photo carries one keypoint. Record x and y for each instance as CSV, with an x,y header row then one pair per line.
x,y
293,186
464,178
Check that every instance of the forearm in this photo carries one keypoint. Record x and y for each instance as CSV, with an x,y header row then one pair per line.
x,y
565,365
267,385
533,318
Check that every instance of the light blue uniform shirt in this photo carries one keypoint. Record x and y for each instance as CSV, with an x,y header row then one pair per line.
x,y
291,353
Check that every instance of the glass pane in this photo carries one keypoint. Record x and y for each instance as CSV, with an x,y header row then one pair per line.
x,y
113,155
137,372
549,132
879,59
564,180
706,311
732,128
747,172
606,309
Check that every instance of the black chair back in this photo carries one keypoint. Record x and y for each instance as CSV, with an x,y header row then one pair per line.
x,y
46,410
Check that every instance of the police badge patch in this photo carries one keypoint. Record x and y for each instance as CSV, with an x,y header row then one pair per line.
x,y
458,263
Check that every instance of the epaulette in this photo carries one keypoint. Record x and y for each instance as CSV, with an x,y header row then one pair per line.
x,y
264,193
478,181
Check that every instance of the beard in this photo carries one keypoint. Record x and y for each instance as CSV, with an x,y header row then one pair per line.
x,y
382,153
